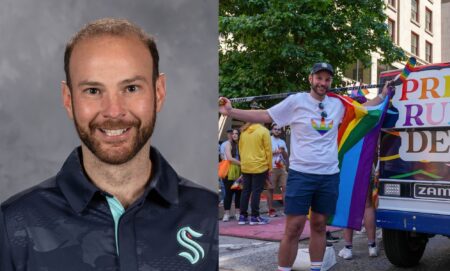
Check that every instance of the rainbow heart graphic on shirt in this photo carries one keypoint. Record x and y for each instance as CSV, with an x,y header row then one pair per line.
x,y
323,127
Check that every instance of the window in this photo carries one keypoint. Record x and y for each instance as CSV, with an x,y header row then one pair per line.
x,y
415,10
429,52
414,43
428,20
391,29
383,67
392,3
357,73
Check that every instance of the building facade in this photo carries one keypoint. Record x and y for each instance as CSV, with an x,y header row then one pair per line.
x,y
415,26
445,17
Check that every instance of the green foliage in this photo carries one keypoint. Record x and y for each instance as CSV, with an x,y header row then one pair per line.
x,y
272,44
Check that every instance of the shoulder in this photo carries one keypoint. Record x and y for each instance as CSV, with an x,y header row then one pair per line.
x,y
31,198
262,129
293,99
334,98
297,97
337,102
225,143
197,195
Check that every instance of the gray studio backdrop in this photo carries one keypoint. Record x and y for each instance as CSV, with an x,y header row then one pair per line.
x,y
35,134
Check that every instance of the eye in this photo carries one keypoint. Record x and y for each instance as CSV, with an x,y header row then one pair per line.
x,y
132,88
92,91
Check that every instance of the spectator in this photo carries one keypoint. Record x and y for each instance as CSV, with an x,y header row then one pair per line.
x,y
256,161
278,174
232,154
222,146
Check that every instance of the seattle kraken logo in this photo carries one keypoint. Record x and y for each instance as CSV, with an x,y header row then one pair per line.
x,y
184,237
322,128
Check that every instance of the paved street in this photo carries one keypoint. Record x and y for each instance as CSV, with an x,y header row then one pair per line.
x,y
255,255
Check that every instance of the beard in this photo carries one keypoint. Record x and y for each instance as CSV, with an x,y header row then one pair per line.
x,y
109,153
315,88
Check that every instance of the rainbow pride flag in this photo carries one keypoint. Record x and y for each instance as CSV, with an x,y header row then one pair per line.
x,y
357,140
360,92
409,67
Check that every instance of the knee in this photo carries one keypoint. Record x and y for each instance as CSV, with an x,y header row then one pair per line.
x,y
293,231
318,226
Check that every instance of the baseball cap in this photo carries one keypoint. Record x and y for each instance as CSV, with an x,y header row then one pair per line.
x,y
322,66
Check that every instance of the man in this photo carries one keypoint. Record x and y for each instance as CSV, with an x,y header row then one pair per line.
x,y
256,160
313,178
278,174
116,199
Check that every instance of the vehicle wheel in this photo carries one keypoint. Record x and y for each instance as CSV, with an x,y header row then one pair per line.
x,y
404,248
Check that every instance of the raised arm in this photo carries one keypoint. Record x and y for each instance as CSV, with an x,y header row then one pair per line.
x,y
254,116
377,100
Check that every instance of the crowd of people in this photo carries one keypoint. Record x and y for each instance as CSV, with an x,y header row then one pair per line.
x,y
312,186
258,162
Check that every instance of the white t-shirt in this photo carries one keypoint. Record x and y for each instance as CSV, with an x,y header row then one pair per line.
x,y
276,144
314,147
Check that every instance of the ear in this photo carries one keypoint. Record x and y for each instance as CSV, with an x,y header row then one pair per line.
x,y
160,91
310,77
66,96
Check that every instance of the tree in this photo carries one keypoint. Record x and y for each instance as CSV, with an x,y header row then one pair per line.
x,y
269,46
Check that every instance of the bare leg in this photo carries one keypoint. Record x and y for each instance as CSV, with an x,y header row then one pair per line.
x,y
369,221
289,244
317,242
348,236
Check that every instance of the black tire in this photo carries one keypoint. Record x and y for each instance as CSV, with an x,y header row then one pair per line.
x,y
404,248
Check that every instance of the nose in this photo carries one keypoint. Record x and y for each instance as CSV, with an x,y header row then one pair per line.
x,y
113,106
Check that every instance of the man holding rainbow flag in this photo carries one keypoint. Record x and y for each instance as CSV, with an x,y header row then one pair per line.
x,y
323,127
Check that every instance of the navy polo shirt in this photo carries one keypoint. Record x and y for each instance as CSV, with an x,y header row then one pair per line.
x,y
66,223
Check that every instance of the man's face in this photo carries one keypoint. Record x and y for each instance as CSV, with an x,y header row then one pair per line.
x,y
113,100
320,82
276,131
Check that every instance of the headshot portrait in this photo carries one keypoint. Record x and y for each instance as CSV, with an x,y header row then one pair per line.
x,y
107,155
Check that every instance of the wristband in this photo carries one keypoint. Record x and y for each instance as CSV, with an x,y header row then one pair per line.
x,y
381,96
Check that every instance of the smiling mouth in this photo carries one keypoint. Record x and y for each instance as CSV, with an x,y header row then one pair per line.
x,y
116,132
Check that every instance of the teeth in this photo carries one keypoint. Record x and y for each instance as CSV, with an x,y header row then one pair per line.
x,y
114,132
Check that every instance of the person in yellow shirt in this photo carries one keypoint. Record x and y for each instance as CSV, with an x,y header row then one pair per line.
x,y
255,150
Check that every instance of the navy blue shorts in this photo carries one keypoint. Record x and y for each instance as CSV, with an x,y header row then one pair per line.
x,y
304,190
